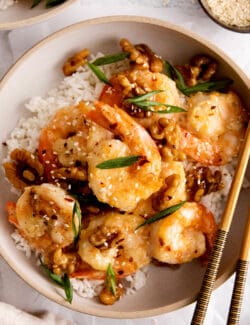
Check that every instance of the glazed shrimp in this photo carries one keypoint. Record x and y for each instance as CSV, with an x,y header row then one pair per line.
x,y
215,127
123,188
111,238
43,216
135,82
184,235
63,142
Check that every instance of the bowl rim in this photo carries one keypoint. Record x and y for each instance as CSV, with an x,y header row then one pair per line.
x,y
234,28
39,18
54,296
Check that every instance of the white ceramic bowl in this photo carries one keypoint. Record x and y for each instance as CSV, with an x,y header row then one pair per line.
x,y
20,14
39,70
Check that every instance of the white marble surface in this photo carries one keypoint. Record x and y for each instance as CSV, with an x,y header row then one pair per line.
x,y
186,13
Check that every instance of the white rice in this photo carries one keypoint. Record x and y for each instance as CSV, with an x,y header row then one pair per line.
x,y
21,243
5,4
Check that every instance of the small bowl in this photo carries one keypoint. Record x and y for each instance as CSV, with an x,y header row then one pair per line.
x,y
209,12
166,289
21,14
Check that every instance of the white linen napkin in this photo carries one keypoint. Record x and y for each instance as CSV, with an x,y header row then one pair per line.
x,y
10,315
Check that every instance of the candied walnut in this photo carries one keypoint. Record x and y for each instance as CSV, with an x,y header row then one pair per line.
x,y
200,69
24,170
202,181
63,262
142,57
125,83
108,298
167,135
74,62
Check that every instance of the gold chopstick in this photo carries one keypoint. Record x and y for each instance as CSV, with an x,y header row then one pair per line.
x,y
240,279
222,233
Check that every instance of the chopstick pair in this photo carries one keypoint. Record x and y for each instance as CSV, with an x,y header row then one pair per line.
x,y
221,237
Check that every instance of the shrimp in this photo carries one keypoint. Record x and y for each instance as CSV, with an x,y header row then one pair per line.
x,y
173,190
43,216
215,127
110,238
63,142
134,82
123,188
186,234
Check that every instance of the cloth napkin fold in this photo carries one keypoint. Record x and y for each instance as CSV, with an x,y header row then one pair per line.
x,y
10,315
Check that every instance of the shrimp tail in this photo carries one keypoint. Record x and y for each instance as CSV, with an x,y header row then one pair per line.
x,y
11,210
96,115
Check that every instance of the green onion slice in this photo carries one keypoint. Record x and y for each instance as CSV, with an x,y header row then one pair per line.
x,y
118,162
76,213
162,214
67,287
100,75
140,98
209,86
142,102
174,74
63,281
146,105
111,280
107,59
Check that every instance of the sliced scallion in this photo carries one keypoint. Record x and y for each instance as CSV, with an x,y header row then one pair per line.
x,y
209,86
100,75
162,214
140,98
63,281
142,102
107,59
118,162
146,105
76,213
174,74
110,282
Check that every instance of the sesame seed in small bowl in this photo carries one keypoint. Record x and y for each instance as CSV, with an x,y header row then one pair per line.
x,y
230,14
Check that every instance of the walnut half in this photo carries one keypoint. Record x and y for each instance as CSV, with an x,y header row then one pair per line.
x,y
142,57
24,170
200,69
74,62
